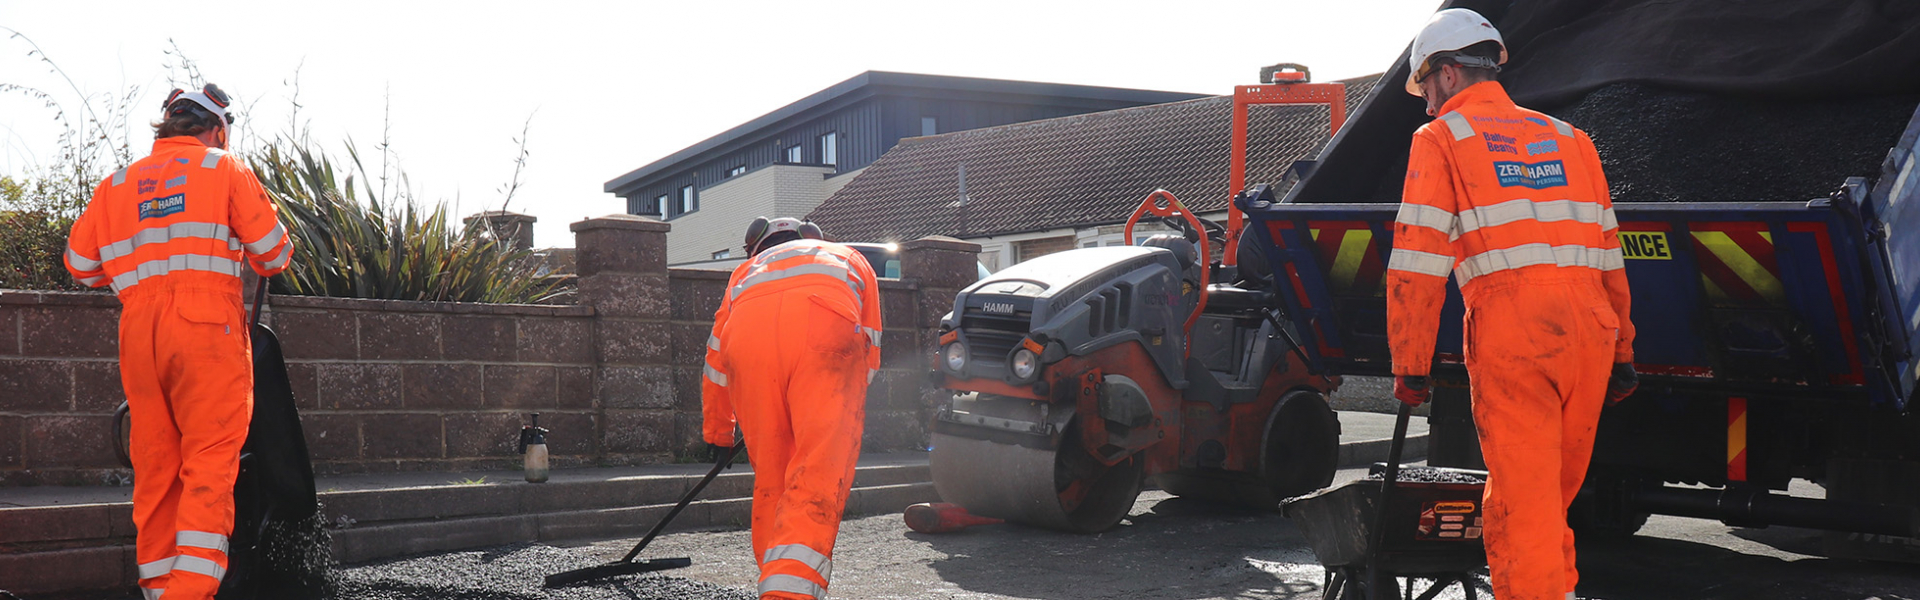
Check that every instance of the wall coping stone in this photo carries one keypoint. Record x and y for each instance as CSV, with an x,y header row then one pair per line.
x,y
886,283
435,307
691,273
108,300
941,242
18,297
620,221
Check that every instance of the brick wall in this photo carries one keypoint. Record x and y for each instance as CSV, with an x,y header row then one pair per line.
x,y
389,385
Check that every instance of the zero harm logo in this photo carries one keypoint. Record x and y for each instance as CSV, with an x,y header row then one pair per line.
x,y
1645,245
1531,175
162,206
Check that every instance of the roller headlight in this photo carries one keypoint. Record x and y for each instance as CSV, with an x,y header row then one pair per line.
x,y
1025,364
956,357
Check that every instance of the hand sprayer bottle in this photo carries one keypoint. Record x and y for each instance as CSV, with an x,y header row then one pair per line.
x,y
533,444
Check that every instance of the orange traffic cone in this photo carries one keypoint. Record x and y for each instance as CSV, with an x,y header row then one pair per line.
x,y
941,517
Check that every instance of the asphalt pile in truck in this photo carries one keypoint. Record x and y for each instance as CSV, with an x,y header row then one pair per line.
x,y
1661,145
1429,475
513,572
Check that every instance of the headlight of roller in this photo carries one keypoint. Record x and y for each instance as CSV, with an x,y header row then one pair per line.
x,y
1025,365
955,355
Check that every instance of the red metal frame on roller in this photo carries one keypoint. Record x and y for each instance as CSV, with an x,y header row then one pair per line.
x,y
1162,203
1290,85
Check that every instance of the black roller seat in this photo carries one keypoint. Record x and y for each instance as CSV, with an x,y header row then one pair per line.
x,y
1228,299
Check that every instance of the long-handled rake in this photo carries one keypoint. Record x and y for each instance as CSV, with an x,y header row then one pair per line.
x,y
627,565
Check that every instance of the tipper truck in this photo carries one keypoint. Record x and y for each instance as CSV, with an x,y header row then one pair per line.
x,y
1777,328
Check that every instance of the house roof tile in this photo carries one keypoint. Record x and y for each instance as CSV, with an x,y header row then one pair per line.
x,y
1070,171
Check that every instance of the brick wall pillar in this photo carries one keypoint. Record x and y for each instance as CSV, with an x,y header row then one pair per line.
x,y
940,267
935,268
516,228
622,264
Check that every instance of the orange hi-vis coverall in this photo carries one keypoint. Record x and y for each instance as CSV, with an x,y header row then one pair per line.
x,y
168,233
794,345
1513,204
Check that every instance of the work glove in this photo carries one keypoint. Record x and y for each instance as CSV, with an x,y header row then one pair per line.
x,y
1411,390
715,451
1622,384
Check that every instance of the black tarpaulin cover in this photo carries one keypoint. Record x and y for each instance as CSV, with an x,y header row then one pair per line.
x,y
1686,100
1799,49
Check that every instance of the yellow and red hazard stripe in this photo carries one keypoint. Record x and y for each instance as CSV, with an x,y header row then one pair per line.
x,y
1736,439
1350,256
1737,264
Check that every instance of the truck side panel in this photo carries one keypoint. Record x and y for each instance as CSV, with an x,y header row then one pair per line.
x,y
1724,294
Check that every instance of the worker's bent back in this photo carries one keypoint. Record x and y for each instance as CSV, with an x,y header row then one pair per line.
x,y
795,342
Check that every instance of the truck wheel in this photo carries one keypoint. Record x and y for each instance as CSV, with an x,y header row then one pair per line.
x,y
1301,448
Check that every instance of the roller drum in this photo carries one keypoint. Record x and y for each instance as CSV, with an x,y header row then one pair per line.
x,y
1025,477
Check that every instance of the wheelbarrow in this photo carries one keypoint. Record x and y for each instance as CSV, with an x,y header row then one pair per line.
x,y
1369,533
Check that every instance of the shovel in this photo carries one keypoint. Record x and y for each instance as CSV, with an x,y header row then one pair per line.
x,y
628,565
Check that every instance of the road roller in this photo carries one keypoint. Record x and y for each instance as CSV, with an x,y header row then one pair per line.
x,y
1078,377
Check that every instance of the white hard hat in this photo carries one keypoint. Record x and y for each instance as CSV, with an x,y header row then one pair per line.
x,y
209,98
762,228
1450,30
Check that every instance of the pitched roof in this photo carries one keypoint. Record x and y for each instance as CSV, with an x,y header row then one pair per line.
x,y
1070,171
876,82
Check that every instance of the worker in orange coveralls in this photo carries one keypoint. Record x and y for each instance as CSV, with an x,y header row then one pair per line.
x,y
794,345
170,233
1513,204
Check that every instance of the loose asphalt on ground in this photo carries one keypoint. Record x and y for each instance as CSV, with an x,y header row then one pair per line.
x,y
1177,549
514,573
1169,549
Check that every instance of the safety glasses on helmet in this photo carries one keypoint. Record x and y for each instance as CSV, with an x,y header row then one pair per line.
x,y
1441,59
210,97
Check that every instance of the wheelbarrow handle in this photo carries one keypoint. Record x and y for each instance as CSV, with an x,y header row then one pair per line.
x,y
259,301
1378,534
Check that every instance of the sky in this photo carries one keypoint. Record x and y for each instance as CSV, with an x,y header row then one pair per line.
x,y
602,88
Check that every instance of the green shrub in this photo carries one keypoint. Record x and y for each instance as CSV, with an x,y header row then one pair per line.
x,y
34,221
352,247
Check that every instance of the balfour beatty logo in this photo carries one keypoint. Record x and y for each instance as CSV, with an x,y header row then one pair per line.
x,y
1001,308
162,206
1531,175
1499,143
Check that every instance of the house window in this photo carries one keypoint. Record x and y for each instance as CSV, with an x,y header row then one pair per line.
x,y
723,254
686,201
659,206
929,125
736,170
793,154
830,149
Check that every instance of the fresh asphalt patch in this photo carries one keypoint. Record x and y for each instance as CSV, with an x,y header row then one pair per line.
x,y
513,572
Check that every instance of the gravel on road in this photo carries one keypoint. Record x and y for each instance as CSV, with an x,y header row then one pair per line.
x,y
513,573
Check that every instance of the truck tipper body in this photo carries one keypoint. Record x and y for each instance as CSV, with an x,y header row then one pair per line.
x,y
1776,336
